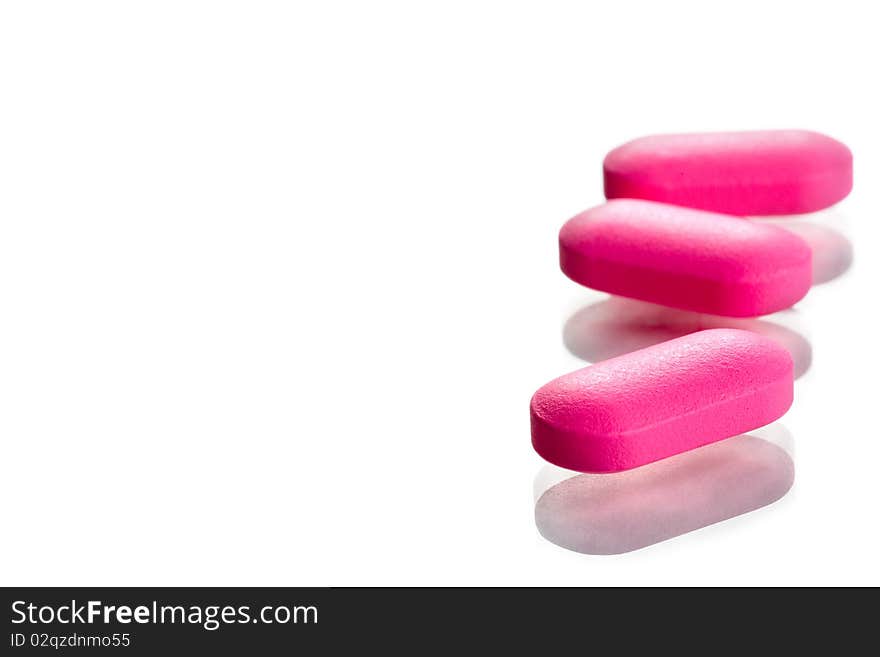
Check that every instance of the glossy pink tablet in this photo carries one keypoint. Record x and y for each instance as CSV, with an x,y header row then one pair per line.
x,y
767,172
662,400
685,258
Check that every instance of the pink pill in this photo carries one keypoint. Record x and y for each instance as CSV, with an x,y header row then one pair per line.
x,y
662,400
684,258
766,172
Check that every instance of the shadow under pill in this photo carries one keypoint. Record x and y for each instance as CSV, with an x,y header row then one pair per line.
x,y
617,326
626,511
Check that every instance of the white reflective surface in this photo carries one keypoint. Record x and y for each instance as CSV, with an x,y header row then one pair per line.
x,y
625,511
616,326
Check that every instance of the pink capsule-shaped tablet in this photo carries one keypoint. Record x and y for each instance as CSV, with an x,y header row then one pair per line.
x,y
768,172
662,400
685,258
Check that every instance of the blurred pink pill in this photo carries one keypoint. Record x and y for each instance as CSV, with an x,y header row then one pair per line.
x,y
769,172
685,258
662,400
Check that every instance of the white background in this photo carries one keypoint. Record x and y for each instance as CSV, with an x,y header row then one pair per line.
x,y
277,281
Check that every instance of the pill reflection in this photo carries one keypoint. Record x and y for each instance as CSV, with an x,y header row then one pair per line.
x,y
832,252
625,511
617,326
